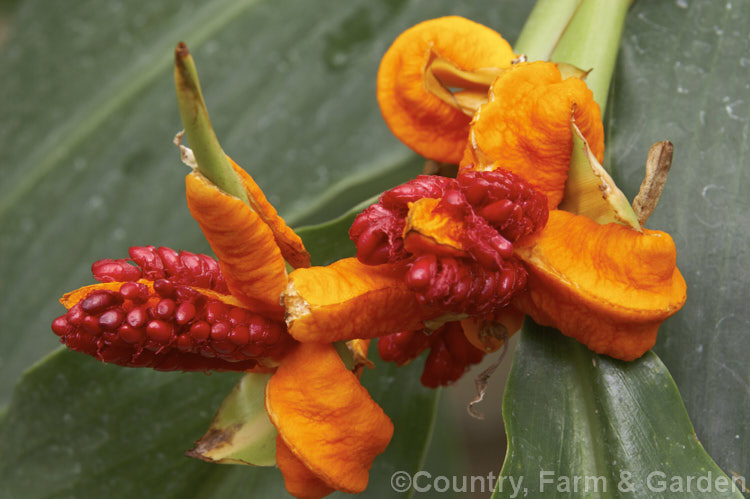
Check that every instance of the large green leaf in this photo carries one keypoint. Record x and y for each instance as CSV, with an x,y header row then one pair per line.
x,y
89,169
618,429
88,115
683,75
77,428
671,83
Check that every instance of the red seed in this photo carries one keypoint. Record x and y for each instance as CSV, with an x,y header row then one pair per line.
x,y
90,325
137,317
253,350
377,233
159,331
424,186
148,259
184,343
223,347
184,293
99,301
75,314
171,260
238,315
108,270
111,319
502,246
135,292
61,326
239,335
191,262
165,308
215,311
422,271
402,347
200,330
184,313
130,334
165,288
219,331
496,213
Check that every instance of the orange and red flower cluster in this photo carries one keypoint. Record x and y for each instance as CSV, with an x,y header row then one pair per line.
x,y
446,264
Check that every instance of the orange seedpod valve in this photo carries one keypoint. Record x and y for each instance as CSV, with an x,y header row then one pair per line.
x,y
427,121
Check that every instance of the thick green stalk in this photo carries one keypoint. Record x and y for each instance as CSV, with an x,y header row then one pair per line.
x,y
544,28
584,33
592,41
211,160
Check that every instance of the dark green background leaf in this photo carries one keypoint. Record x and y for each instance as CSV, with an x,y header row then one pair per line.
x,y
620,428
683,75
77,428
88,170
88,115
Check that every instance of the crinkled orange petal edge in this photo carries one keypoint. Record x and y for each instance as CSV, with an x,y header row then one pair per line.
x,y
326,417
250,259
418,118
290,244
608,286
298,479
525,128
348,300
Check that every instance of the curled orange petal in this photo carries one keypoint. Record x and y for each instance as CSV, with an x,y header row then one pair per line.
x,y
609,286
245,246
525,127
433,230
288,241
326,417
422,120
348,300
298,479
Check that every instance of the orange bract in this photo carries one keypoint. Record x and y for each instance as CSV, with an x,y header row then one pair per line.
x,y
249,257
288,241
608,286
348,300
326,418
431,229
298,479
420,119
525,128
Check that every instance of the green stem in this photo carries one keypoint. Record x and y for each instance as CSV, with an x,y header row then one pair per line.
x,y
592,40
211,160
345,354
544,27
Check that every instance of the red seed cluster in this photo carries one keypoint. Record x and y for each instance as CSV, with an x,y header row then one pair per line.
x,y
378,231
182,267
505,201
450,355
497,206
462,286
169,327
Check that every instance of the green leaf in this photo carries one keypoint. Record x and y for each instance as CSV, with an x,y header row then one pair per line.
x,y
682,75
241,431
78,428
620,428
89,113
